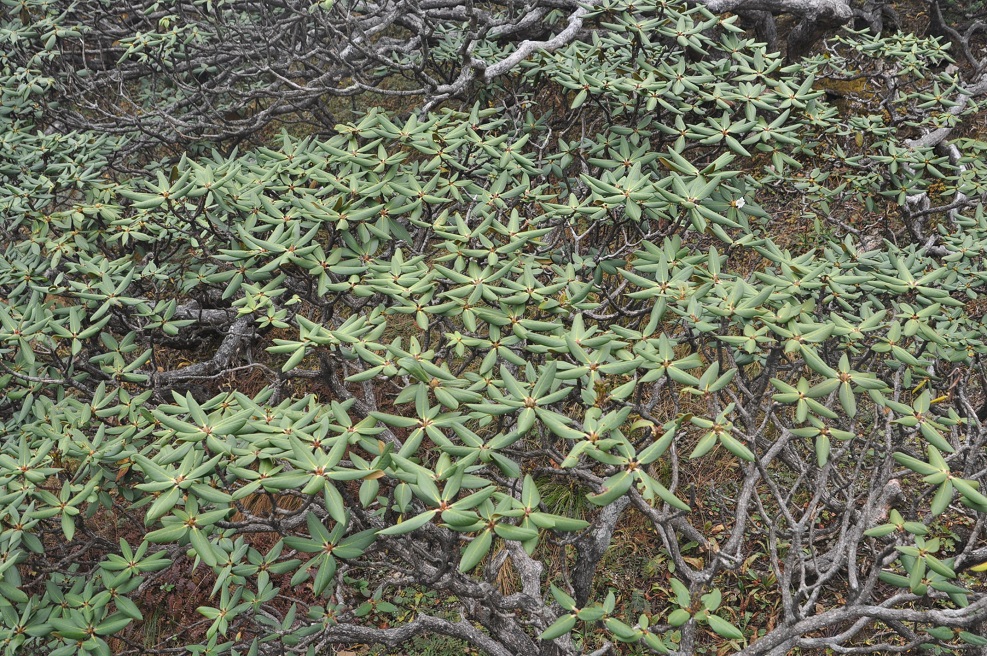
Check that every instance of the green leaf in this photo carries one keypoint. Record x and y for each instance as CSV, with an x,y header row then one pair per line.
x,y
203,548
972,639
163,504
822,449
656,643
409,525
968,490
942,498
657,448
724,628
12,593
170,533
916,465
559,627
678,617
704,445
682,595
325,574
934,438
896,580
529,493
591,613
736,447
620,630
881,531
127,607
816,363
113,624
613,488
476,550
517,533
712,600
847,399
564,600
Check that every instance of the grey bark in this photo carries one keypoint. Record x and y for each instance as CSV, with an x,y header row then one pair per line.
x,y
814,18
239,331
591,546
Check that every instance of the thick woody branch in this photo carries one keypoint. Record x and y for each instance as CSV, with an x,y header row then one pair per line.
x,y
936,137
527,48
238,333
953,618
591,546
421,625
815,17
